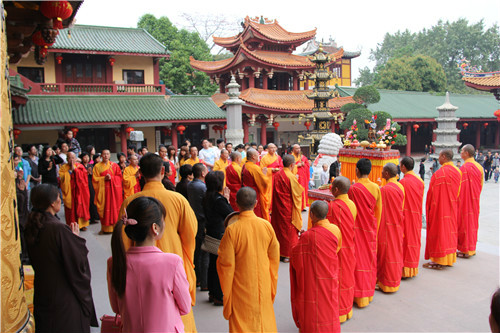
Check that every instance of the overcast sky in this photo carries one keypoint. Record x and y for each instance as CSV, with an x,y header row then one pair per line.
x,y
355,25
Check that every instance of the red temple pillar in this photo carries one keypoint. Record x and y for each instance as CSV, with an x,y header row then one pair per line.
x,y
251,81
478,135
408,139
123,138
156,70
174,136
222,87
263,133
306,84
497,135
264,82
295,82
245,131
244,84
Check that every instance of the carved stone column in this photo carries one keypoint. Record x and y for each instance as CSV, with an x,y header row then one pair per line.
x,y
234,132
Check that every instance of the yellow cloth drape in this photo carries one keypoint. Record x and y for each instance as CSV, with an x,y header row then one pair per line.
x,y
191,161
297,190
129,180
65,184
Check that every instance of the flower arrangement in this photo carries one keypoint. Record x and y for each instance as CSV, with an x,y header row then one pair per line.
x,y
388,134
352,134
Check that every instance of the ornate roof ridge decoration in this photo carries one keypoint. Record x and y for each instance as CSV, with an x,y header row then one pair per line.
x,y
312,47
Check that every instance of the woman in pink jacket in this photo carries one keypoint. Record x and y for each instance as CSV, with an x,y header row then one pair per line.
x,y
147,287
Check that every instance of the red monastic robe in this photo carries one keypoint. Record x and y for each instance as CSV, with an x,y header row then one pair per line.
x,y
304,177
342,212
366,195
468,203
174,172
286,218
78,210
108,193
252,176
412,222
233,182
314,279
442,215
390,237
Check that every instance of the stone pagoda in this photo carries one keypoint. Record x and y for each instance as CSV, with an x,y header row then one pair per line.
x,y
446,132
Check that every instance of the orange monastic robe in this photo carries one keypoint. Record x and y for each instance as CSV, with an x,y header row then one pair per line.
x,y
390,237
179,234
412,222
270,162
192,162
108,193
287,217
442,215
366,195
76,194
342,212
130,182
221,165
468,205
304,177
252,176
314,279
248,265
233,182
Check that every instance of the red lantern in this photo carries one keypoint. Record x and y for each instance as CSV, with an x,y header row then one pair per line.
x,y
75,131
466,125
111,61
225,127
485,125
181,129
16,132
57,11
497,114
307,124
276,125
416,127
38,40
129,129
59,59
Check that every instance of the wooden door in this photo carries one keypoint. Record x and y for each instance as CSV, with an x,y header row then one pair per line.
x,y
84,69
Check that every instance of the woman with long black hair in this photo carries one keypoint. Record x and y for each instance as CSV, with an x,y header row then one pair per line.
x,y
47,166
63,296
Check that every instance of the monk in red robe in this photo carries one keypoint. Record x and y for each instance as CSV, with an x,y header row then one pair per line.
x,y
107,181
233,178
442,213
162,151
75,190
412,217
468,203
366,195
287,207
342,212
314,274
390,232
255,177
303,171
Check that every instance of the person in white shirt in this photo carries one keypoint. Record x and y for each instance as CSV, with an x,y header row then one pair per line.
x,y
207,154
325,175
218,149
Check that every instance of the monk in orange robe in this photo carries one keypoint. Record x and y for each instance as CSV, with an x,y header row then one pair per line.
x,y
131,177
286,218
412,217
366,195
255,177
180,226
248,265
233,178
222,163
442,213
314,274
468,203
303,171
193,156
274,164
107,181
75,190
342,212
390,232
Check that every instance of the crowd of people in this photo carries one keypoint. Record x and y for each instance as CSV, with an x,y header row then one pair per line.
x,y
221,219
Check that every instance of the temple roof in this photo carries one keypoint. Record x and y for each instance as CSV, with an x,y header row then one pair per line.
x,y
486,81
266,30
329,47
281,100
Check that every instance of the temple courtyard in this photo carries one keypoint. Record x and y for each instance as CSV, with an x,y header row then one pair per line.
x,y
455,299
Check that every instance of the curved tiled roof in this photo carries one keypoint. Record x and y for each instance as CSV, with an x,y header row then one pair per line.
x,y
488,82
210,66
281,100
109,39
276,32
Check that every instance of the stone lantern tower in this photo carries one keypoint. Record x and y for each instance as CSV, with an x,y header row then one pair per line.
x,y
446,132
234,132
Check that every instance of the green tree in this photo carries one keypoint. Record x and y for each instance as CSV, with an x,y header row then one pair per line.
x,y
366,77
177,72
366,95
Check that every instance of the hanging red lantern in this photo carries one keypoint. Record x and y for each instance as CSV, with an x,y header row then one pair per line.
x,y
466,125
416,127
111,61
16,132
276,125
307,124
38,40
485,125
181,129
225,127
59,59
57,11
129,129
75,131
497,114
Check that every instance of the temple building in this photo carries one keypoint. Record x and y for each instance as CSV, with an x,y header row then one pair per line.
x,y
273,80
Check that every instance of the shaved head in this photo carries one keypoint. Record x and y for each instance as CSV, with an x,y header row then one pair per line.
x,y
288,160
342,183
246,198
235,156
252,154
408,162
319,209
469,149
391,169
447,154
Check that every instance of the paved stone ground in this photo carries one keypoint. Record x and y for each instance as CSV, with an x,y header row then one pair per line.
x,y
454,299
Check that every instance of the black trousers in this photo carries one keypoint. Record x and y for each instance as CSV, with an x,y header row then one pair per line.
x,y
213,279
201,261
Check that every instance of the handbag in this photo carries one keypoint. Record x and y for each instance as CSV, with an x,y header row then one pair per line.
x,y
111,324
210,244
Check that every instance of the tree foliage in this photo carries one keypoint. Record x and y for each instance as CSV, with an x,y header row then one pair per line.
x,y
177,72
366,77
446,42
366,95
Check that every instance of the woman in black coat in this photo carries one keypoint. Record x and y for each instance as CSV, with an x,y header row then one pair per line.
x,y
47,166
216,206
63,296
